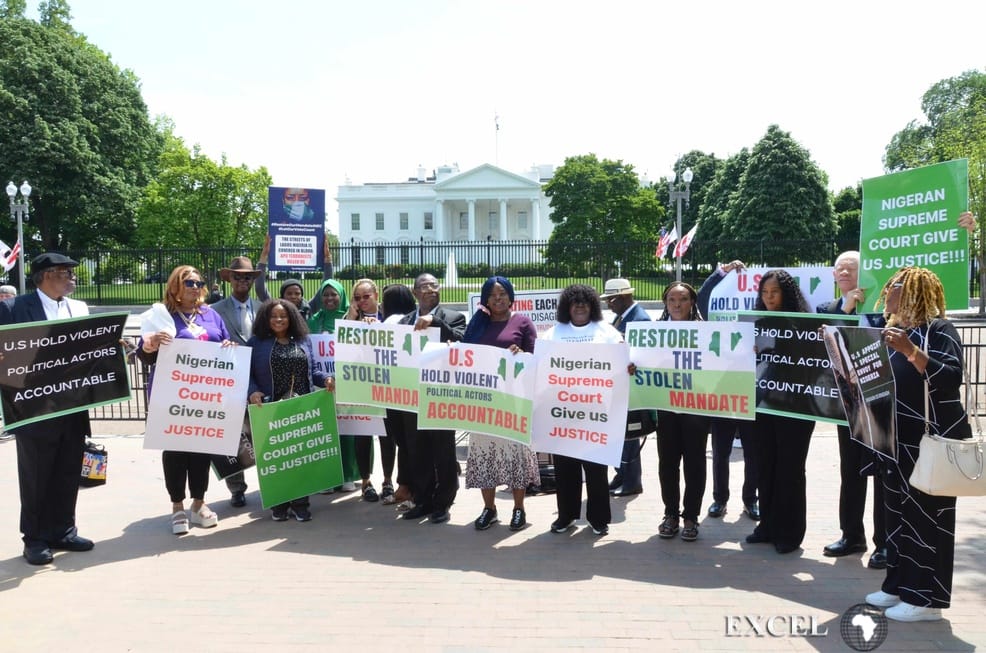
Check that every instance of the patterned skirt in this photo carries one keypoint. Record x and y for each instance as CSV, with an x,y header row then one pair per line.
x,y
494,461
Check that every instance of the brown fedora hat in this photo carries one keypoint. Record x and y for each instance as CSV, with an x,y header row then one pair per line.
x,y
239,265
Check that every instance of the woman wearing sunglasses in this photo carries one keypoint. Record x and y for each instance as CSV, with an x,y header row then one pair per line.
x,y
184,299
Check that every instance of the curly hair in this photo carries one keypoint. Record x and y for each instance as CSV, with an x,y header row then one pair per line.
x,y
694,313
922,297
176,284
792,301
297,327
578,293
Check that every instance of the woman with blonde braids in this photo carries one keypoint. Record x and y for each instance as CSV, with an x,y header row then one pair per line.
x,y
926,356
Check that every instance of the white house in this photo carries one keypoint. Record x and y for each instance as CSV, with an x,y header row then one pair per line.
x,y
483,204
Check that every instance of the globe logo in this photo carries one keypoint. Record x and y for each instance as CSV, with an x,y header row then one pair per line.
x,y
863,627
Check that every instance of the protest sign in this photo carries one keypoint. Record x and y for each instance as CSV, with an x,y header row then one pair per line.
x,y
539,305
861,366
61,366
793,377
911,218
701,368
580,400
297,228
739,288
376,364
297,447
360,420
323,352
197,397
245,458
477,388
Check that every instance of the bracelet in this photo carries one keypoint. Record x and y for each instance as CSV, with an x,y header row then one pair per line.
x,y
913,355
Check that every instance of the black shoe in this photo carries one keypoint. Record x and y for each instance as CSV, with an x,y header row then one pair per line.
x,y
717,509
72,543
237,499
302,513
518,520
878,560
615,483
781,547
757,537
279,513
560,526
486,519
370,495
417,512
600,530
843,547
752,510
626,492
439,517
38,554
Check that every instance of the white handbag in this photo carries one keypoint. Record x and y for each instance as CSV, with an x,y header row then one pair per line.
x,y
950,468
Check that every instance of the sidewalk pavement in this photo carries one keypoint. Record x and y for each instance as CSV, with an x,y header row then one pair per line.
x,y
360,578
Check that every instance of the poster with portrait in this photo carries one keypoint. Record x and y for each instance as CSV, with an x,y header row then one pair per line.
x,y
297,228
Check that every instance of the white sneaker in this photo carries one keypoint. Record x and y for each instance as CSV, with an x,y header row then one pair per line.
x,y
348,486
907,612
881,599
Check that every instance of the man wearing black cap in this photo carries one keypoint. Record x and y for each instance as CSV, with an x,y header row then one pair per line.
x,y
49,452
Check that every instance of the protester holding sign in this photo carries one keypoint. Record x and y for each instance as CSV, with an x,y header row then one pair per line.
x,y
927,361
49,453
681,438
397,301
282,366
184,300
495,461
781,442
580,319
291,289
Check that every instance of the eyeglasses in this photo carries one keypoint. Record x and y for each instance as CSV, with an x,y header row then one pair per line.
x,y
192,283
65,274
361,298
242,277
428,285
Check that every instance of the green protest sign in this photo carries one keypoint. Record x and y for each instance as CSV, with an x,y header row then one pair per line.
x,y
297,447
911,218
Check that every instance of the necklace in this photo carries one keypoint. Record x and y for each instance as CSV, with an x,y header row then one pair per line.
x,y
188,320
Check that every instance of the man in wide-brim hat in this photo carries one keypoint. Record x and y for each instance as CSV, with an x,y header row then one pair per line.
x,y
241,265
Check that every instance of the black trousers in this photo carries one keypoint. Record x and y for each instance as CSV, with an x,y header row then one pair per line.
x,y
433,472
723,432
681,441
568,477
49,464
781,445
397,423
181,467
853,458
364,455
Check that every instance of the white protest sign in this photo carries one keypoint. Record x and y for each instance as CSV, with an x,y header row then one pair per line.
x,y
738,290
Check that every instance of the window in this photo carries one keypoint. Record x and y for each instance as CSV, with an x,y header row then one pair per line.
x,y
522,220
355,221
357,255
463,221
494,221
381,254
380,222
429,221
405,254
404,222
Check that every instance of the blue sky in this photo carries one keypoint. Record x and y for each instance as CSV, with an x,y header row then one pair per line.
x,y
321,92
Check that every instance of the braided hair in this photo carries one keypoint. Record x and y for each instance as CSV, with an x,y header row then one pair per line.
x,y
693,314
922,297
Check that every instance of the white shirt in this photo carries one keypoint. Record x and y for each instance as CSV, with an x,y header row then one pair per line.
x,y
59,310
591,332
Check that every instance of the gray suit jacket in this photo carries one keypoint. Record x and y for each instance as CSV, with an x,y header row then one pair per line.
x,y
230,313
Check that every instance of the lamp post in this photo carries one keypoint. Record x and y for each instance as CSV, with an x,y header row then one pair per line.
x,y
19,211
676,197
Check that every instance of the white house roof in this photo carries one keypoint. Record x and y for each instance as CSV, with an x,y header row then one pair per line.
x,y
488,178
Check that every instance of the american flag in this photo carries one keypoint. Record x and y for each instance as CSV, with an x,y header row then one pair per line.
x,y
8,255
683,244
667,237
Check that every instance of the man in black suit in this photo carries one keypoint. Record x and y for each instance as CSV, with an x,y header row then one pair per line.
x,y
618,295
49,452
855,460
434,468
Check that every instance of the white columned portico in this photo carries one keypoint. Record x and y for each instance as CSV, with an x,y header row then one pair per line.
x,y
503,219
536,218
439,220
472,221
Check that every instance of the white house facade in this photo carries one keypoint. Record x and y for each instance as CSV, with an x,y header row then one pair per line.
x,y
483,204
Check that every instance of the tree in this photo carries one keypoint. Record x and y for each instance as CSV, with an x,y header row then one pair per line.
x,y
594,202
847,205
56,14
782,196
198,204
12,8
76,127
713,212
955,109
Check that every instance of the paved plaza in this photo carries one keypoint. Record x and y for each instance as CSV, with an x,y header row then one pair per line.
x,y
358,578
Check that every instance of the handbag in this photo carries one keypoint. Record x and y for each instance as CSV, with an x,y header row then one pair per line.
x,y
640,423
95,460
947,467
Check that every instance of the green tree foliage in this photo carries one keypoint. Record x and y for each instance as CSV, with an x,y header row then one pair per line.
x,y
847,205
75,126
703,168
56,14
12,8
782,196
713,213
600,201
198,204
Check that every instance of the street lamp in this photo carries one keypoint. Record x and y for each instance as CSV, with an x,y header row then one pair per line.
x,y
19,212
676,197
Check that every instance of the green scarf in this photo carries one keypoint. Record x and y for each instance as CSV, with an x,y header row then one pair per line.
x,y
325,320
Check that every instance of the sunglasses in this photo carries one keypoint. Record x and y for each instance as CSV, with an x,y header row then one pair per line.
x,y
191,283
360,298
242,277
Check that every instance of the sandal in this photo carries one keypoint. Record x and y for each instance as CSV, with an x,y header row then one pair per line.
x,y
370,495
204,517
387,495
690,532
405,505
179,523
668,527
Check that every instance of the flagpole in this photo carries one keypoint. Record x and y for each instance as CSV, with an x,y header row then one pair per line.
x,y
677,196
